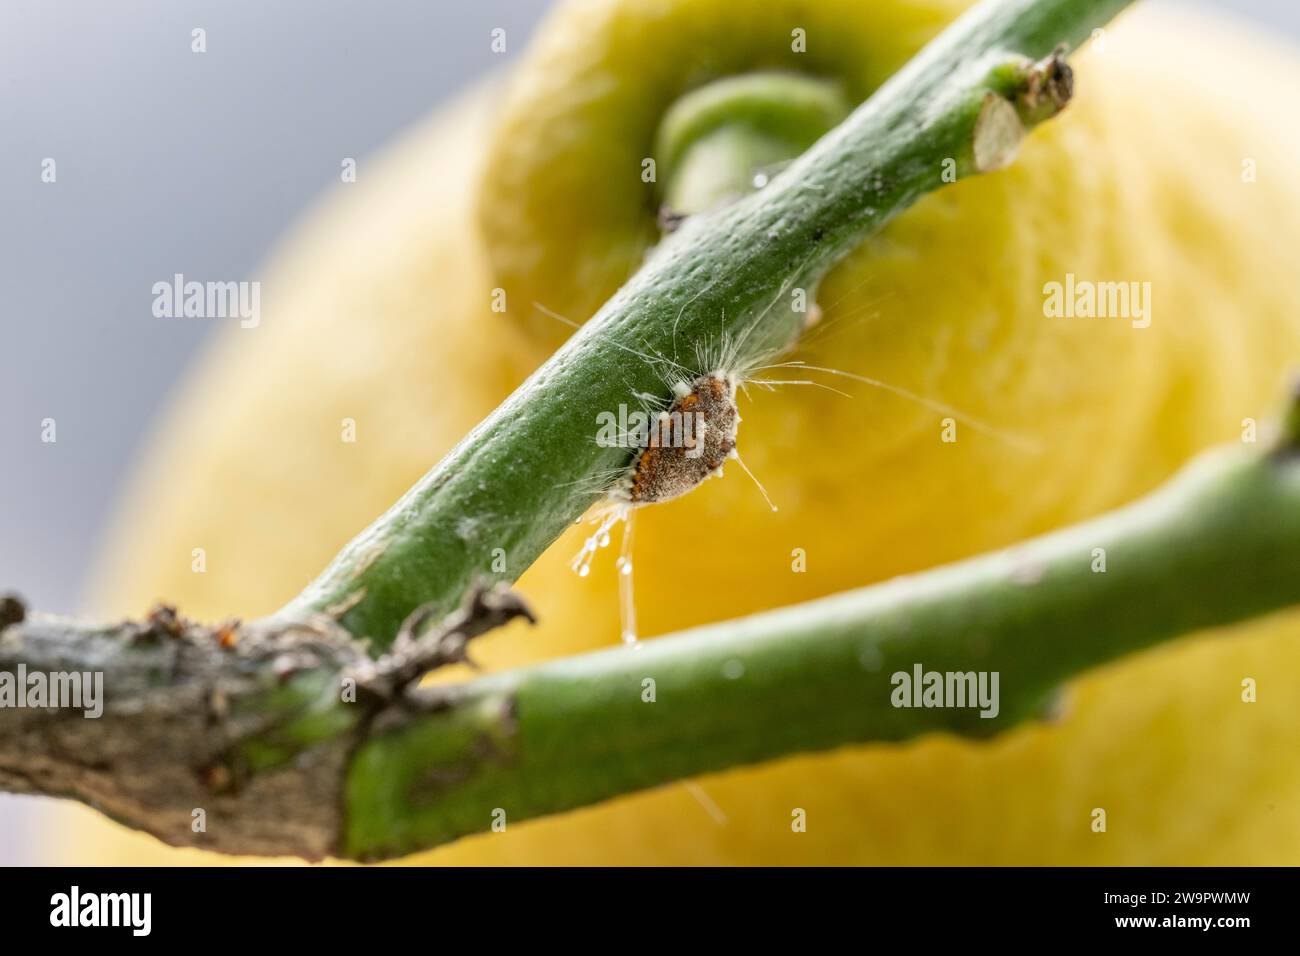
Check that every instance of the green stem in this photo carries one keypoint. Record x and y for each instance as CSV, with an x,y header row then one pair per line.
x,y
1220,543
257,724
528,471
726,139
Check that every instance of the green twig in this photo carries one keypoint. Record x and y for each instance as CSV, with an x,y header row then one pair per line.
x,y
528,471
295,741
1220,543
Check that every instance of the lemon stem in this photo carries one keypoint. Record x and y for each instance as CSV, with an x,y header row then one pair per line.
x,y
726,139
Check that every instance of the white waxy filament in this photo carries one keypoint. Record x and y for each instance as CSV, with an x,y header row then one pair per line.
x,y
626,595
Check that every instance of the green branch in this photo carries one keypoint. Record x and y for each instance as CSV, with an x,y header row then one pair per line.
x,y
1219,543
962,104
297,740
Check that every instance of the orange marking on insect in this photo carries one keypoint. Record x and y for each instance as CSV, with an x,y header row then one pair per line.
x,y
228,634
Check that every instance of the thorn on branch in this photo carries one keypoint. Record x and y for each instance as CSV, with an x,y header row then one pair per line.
x,y
418,650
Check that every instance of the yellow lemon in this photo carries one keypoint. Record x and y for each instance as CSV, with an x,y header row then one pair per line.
x,y
380,347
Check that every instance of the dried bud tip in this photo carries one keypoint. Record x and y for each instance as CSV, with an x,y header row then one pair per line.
x,y
1048,87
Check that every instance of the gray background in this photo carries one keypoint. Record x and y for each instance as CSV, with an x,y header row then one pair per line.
x,y
174,162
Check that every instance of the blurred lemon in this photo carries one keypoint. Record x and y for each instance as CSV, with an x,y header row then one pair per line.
x,y
1173,167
